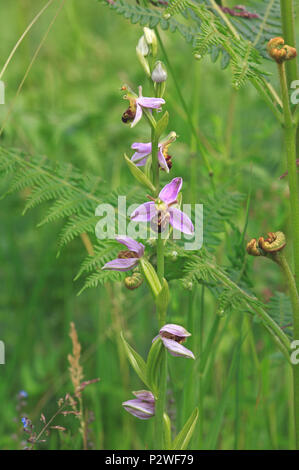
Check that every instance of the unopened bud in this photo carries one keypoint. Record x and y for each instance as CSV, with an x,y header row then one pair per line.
x,y
142,47
159,74
151,39
142,50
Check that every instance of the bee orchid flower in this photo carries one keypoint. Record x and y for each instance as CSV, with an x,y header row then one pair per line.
x,y
127,259
172,336
137,103
163,208
144,150
143,406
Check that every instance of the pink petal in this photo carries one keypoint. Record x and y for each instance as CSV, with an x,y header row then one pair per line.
x,y
180,221
144,212
121,264
176,349
139,159
170,192
152,103
142,147
139,408
131,244
175,330
138,115
145,395
143,150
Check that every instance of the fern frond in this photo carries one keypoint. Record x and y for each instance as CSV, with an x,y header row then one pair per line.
x,y
72,196
77,224
218,210
280,309
104,251
175,7
101,277
152,17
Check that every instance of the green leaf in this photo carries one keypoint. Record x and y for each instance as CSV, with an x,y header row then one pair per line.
x,y
162,124
139,175
162,299
167,431
136,361
153,365
151,276
182,439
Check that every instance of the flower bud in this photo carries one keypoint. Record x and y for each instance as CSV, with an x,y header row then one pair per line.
x,y
151,39
142,47
142,50
159,74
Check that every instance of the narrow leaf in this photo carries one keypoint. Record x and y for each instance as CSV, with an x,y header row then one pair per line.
x,y
153,365
151,276
162,299
162,124
182,439
139,175
136,360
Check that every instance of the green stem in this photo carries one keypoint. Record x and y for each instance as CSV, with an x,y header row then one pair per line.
x,y
288,27
290,149
160,259
281,260
161,398
160,403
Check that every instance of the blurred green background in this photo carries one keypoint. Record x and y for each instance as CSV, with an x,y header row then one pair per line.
x,y
70,110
